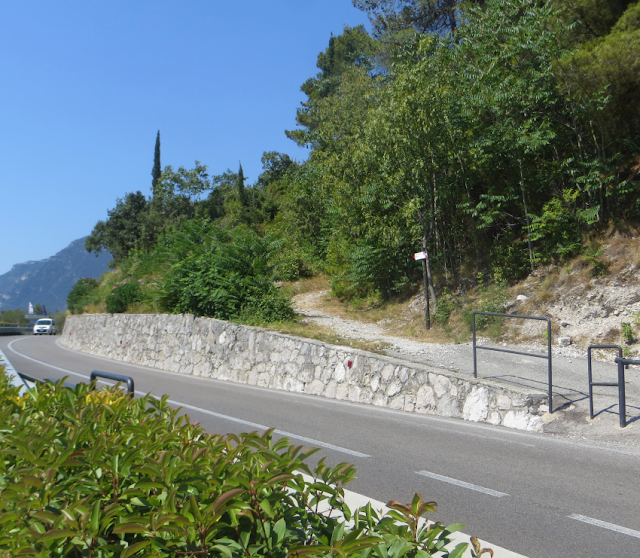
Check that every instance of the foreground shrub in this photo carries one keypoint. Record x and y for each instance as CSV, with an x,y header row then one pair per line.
x,y
96,473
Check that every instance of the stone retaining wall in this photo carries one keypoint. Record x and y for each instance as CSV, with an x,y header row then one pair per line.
x,y
226,351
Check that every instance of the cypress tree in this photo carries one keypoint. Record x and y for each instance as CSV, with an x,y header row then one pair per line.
x,y
156,171
242,195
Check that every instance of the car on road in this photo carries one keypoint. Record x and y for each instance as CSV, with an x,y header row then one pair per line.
x,y
45,326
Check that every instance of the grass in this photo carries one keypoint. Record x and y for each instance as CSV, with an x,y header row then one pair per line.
x,y
307,330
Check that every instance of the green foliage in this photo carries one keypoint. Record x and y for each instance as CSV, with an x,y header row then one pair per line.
x,y
591,256
446,306
352,49
557,229
83,293
123,229
156,170
14,317
224,274
291,264
509,258
97,473
627,332
492,299
123,295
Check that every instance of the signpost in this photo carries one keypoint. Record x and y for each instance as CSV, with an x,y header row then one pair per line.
x,y
423,256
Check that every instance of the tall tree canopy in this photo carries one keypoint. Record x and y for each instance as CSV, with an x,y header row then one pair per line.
x,y
156,171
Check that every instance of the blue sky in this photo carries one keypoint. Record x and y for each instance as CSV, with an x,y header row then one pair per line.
x,y
85,86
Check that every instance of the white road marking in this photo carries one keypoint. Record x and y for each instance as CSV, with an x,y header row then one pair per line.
x,y
605,525
281,432
219,415
464,484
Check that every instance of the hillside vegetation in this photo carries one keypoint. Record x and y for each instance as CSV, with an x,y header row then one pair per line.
x,y
501,136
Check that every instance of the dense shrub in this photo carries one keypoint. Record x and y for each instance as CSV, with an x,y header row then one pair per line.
x,y
122,296
83,293
228,275
96,473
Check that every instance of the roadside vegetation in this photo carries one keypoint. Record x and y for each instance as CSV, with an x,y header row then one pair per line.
x,y
501,136
17,318
89,473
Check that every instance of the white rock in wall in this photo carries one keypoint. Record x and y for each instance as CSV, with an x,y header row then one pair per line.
x,y
521,420
476,406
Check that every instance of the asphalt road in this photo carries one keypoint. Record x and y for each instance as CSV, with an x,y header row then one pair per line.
x,y
530,493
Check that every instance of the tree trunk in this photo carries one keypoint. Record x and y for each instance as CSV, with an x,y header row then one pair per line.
x,y
526,215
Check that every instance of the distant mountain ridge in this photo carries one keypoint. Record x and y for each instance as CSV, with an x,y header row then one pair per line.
x,y
49,281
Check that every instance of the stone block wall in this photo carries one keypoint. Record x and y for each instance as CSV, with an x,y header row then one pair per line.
x,y
226,351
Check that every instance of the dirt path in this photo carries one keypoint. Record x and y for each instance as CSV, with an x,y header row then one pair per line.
x,y
310,306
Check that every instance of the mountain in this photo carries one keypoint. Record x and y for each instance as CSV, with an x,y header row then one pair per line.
x,y
49,281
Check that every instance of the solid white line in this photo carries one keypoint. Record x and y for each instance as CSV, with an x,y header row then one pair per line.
x,y
464,484
219,415
605,525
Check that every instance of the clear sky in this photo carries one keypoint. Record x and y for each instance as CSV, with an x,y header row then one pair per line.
x,y
86,85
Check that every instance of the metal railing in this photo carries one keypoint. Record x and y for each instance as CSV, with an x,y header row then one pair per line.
x,y
497,349
15,330
619,384
116,378
622,364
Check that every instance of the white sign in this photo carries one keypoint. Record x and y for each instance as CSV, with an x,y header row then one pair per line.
x,y
420,256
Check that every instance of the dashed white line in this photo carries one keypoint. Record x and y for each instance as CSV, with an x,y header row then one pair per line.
x,y
463,484
219,415
605,525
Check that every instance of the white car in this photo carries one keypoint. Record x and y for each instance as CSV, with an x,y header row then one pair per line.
x,y
45,326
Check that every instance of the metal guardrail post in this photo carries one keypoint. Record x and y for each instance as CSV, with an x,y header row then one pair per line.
x,y
622,363
548,356
116,378
607,384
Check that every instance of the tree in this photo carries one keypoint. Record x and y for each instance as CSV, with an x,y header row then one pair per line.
x,y
392,18
354,48
122,231
156,171
242,194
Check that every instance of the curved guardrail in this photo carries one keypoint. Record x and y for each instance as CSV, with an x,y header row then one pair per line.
x,y
116,378
16,330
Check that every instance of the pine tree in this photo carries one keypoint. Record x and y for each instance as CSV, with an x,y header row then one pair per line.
x,y
156,171
242,194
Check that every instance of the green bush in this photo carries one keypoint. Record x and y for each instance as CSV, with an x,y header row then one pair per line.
x,y
228,276
122,296
446,306
97,473
83,293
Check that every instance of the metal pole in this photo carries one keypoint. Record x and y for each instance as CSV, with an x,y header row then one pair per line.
x,y
427,316
475,362
550,365
590,382
622,404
